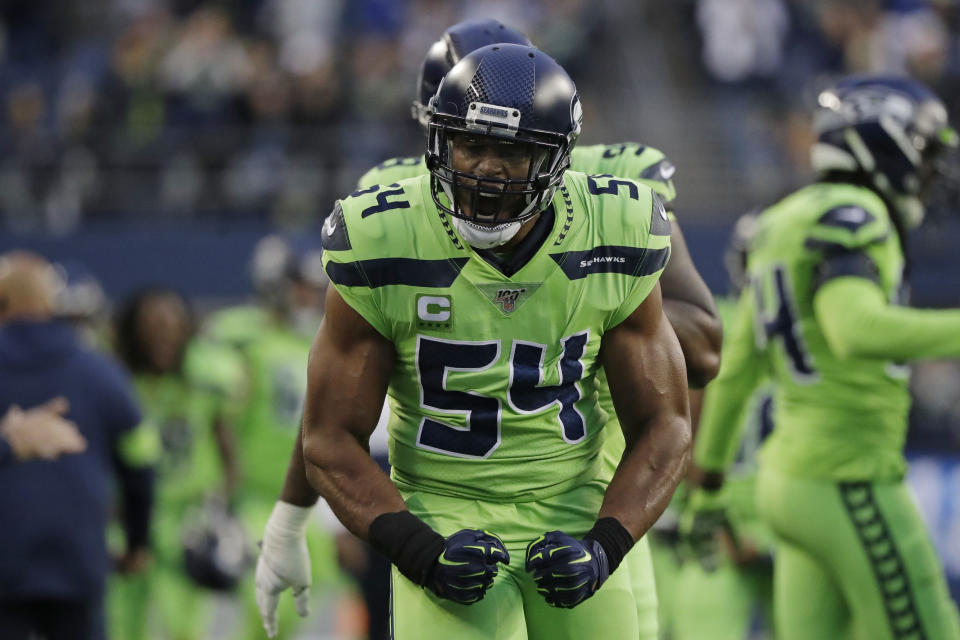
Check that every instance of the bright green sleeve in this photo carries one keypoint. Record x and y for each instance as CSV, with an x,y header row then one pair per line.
x,y
742,369
858,322
656,253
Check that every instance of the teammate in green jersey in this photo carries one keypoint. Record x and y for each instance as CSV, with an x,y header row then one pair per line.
x,y
498,246
826,274
185,388
272,340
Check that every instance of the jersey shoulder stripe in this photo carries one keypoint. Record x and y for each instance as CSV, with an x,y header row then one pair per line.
x,y
632,261
381,272
374,239
632,235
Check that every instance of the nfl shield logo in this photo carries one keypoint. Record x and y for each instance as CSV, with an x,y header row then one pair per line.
x,y
507,298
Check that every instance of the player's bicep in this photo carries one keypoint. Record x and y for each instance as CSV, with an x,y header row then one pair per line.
x,y
347,374
644,367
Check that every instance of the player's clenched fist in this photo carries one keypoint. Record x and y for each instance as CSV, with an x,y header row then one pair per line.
x,y
567,571
467,566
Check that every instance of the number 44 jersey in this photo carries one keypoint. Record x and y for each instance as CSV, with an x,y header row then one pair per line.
x,y
494,395
836,418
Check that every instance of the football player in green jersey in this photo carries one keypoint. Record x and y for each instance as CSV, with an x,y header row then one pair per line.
x,y
272,340
686,299
826,274
484,298
186,388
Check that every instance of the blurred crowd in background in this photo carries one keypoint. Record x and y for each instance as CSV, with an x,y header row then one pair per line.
x,y
172,110
191,115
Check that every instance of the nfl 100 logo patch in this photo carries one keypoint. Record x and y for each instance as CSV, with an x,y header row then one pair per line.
x,y
508,296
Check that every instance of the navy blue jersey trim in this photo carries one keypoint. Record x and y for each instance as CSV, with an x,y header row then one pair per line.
x,y
659,221
850,217
631,261
815,244
889,569
334,236
382,272
852,263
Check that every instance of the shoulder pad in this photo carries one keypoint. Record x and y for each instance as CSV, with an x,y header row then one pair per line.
x,y
375,222
393,170
630,160
849,225
624,207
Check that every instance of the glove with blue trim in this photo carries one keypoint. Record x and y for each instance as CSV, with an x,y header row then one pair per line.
x,y
467,566
567,571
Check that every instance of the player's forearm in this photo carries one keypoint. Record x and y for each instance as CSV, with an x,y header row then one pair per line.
x,y
726,398
227,448
700,335
649,473
859,323
297,489
342,471
718,432
137,494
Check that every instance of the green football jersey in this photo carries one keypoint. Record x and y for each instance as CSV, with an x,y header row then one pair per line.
x,y
274,360
644,164
836,418
236,326
269,421
182,409
494,392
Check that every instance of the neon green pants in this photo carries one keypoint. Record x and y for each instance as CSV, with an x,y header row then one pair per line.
x,y
854,561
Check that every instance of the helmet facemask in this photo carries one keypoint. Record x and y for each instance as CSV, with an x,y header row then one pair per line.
x,y
530,167
939,176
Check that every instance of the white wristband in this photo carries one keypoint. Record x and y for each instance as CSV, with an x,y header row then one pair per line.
x,y
288,520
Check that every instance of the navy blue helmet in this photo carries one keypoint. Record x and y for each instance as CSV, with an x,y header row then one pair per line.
x,y
456,42
515,97
892,130
278,261
216,548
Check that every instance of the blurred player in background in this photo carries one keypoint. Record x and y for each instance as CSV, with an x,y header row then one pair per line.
x,y
53,555
187,389
687,301
724,581
826,272
273,340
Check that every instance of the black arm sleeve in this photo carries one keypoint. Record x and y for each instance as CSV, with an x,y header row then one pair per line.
x,y
136,497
